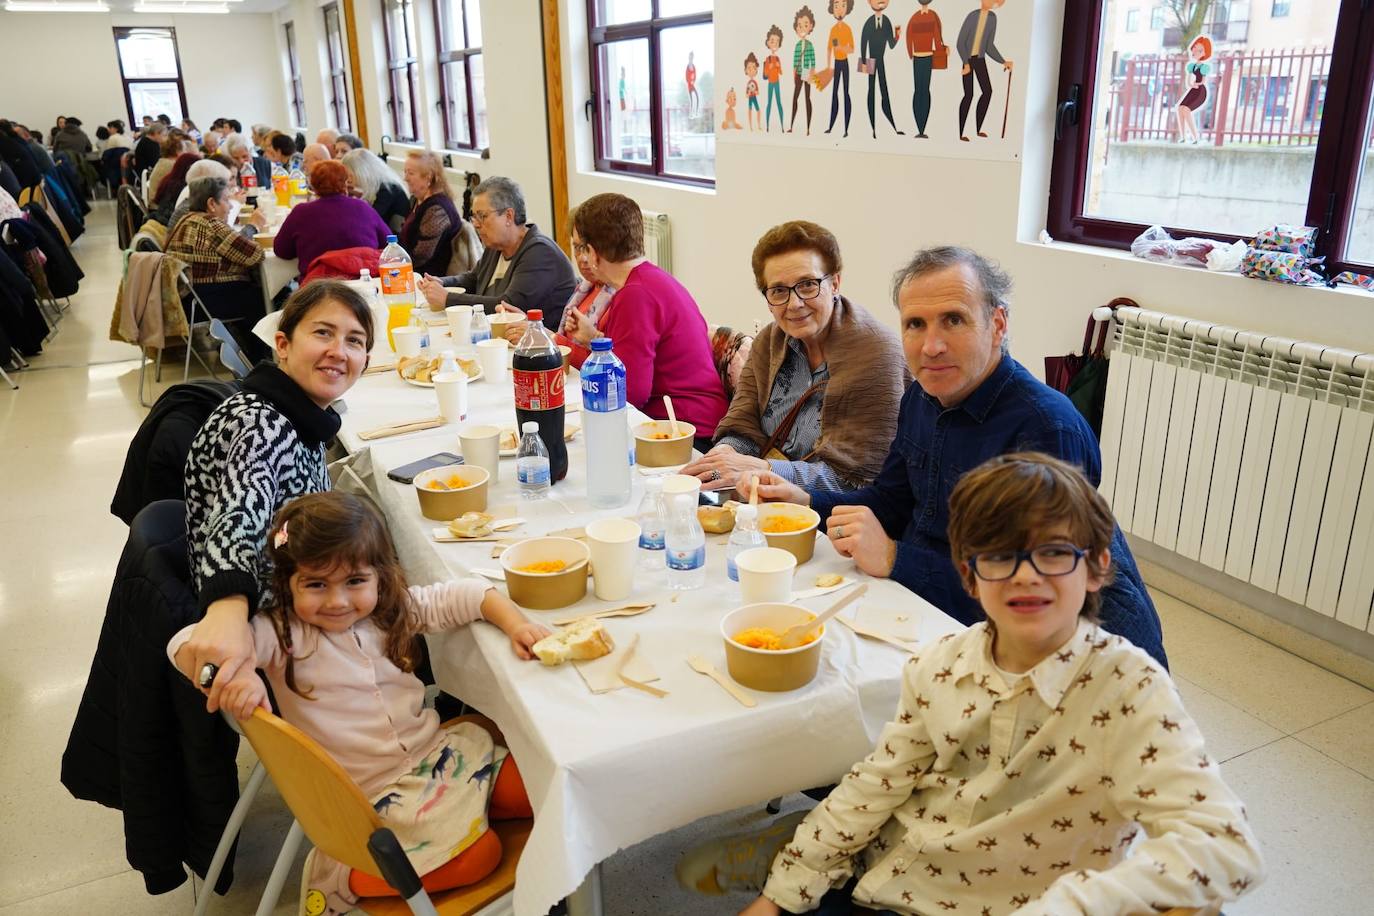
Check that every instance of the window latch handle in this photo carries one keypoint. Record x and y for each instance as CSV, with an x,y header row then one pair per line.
x,y
1066,112
589,107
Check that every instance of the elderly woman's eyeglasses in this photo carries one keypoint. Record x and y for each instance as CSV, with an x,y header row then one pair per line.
x,y
481,216
1047,560
806,290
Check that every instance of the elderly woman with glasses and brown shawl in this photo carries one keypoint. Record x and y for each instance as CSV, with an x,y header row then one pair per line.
x,y
817,402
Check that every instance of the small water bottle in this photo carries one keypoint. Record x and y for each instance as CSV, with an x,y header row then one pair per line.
x,y
417,320
532,464
481,328
448,362
684,542
744,536
651,525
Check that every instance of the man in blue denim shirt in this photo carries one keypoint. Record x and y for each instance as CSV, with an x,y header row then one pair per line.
x,y
972,402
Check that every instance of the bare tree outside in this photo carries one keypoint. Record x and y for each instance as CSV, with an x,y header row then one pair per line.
x,y
1189,16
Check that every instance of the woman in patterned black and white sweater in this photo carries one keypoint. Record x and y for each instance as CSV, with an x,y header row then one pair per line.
x,y
257,451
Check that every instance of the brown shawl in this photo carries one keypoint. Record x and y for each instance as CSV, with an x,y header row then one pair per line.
x,y
868,376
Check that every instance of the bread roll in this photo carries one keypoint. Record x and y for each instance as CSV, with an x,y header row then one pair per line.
x,y
583,640
716,519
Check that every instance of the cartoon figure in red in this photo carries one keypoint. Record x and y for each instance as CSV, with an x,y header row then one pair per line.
x,y
693,100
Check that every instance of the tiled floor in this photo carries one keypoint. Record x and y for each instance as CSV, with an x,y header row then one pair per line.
x,y
1297,741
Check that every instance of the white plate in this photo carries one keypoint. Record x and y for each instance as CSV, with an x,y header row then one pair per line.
x,y
570,431
419,384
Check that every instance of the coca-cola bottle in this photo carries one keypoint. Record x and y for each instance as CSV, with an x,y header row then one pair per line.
x,y
538,372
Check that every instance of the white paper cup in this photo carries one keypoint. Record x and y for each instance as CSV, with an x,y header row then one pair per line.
x,y
614,543
481,446
407,339
451,388
765,575
460,325
492,356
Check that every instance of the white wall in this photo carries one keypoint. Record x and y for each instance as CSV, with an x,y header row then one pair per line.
x,y
995,207
64,63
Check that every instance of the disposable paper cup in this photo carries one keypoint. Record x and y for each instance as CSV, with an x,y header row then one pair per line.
x,y
765,575
451,388
407,340
614,543
492,356
481,447
460,325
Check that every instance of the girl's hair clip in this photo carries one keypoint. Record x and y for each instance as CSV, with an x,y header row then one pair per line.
x,y
279,540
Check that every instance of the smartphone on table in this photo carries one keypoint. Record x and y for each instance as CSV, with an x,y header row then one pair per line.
x,y
407,473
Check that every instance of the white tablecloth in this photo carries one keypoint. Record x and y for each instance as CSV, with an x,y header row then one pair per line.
x,y
606,771
277,273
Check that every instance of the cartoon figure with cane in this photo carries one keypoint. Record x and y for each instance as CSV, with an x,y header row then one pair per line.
x,y
976,43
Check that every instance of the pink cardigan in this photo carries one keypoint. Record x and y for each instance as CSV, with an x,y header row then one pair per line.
x,y
659,334
367,713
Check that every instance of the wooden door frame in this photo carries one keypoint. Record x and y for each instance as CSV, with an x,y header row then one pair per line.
x,y
557,128
355,68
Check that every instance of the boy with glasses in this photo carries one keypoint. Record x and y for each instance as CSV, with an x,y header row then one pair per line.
x,y
1028,753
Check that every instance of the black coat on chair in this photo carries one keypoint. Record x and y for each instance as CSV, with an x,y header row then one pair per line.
x,y
142,741
64,274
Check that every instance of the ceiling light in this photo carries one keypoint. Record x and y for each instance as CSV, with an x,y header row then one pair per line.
x,y
184,7
36,6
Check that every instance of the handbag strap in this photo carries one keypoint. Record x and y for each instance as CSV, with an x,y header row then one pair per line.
x,y
788,421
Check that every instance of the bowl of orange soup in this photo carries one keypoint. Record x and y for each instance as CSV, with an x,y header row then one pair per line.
x,y
752,653
546,573
447,492
657,447
790,527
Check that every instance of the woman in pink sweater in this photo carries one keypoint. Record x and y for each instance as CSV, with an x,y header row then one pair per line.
x,y
337,643
657,329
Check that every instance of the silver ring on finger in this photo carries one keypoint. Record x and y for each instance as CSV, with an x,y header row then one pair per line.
x,y
713,476
839,531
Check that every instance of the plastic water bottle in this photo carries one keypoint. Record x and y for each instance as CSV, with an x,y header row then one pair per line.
x,y
652,522
603,409
532,463
418,315
448,362
480,327
744,536
684,542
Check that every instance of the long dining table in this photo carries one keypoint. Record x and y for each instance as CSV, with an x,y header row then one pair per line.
x,y
607,770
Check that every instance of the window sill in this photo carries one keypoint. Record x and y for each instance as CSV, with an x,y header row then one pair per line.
x,y
668,184
1116,254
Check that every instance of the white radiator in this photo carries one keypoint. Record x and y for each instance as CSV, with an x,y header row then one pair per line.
x,y
658,240
1249,454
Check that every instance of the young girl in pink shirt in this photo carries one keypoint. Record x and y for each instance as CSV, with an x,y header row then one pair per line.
x,y
338,646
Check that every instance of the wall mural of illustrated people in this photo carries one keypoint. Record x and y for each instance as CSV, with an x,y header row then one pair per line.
x,y
803,63
1195,78
838,48
690,77
925,45
976,43
751,91
772,75
878,36
731,121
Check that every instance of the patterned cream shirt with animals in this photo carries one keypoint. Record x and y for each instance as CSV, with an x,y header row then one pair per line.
x,y
993,793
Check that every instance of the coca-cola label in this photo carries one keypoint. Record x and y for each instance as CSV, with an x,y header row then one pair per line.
x,y
397,280
538,389
249,179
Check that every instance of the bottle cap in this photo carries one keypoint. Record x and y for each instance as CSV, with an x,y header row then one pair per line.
x,y
529,426
535,314
601,343
746,511
390,239
446,354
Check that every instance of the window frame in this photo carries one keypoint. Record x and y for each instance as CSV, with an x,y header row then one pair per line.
x,y
396,64
456,56
650,29
296,90
1341,143
1280,9
125,31
340,100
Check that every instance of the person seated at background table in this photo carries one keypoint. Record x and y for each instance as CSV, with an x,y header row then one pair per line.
x,y
345,143
379,185
1026,752
118,138
72,139
213,167
654,324
174,143
257,451
327,137
314,154
338,645
972,402
169,191
189,128
241,151
224,263
331,222
520,266
149,147
209,142
817,401
281,150
428,231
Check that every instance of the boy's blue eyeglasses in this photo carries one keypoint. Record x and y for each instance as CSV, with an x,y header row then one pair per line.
x,y
1047,560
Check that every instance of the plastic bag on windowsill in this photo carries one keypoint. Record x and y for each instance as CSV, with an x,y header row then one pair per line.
x,y
1154,244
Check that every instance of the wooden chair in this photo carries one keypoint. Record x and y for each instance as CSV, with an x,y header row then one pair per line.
x,y
340,821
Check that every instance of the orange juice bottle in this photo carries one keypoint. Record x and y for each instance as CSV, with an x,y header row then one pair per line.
x,y
398,286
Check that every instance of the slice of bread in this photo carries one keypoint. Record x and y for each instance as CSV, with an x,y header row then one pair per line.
x,y
585,639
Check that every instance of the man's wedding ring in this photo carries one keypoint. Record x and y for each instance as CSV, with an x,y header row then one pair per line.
x,y
207,675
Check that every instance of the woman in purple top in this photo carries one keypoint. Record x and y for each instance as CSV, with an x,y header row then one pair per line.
x,y
330,223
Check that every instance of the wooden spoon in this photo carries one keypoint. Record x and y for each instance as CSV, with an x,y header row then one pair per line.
x,y
672,415
628,610
754,490
792,636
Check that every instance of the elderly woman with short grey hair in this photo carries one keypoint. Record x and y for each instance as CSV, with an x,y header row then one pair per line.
x,y
378,184
521,267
